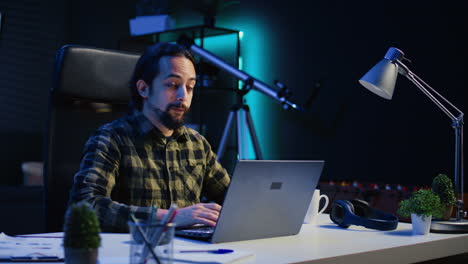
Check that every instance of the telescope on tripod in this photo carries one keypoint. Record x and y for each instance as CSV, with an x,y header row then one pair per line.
x,y
241,111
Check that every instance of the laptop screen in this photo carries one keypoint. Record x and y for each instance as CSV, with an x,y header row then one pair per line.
x,y
267,198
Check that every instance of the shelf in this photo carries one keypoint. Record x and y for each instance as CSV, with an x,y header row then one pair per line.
x,y
139,43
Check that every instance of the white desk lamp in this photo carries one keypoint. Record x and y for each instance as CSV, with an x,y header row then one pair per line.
x,y
381,80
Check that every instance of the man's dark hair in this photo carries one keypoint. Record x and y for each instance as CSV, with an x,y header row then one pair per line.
x,y
147,67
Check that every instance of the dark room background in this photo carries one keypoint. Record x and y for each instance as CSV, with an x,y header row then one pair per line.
x,y
319,50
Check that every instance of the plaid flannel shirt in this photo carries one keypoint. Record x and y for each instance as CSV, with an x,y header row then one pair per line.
x,y
129,166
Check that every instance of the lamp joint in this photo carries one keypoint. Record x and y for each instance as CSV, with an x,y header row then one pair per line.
x,y
461,213
458,122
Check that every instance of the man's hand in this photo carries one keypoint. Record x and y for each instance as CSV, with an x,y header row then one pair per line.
x,y
201,213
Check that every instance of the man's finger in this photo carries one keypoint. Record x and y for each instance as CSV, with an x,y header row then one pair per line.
x,y
211,215
213,206
204,221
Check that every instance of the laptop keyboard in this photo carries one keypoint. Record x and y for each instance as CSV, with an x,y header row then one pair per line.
x,y
198,232
203,230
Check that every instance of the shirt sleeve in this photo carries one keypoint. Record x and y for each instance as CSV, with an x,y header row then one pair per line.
x,y
96,179
216,179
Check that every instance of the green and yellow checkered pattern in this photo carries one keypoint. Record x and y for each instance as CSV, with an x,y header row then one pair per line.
x,y
128,166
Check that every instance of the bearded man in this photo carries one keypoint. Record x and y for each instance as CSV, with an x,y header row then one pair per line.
x,y
148,159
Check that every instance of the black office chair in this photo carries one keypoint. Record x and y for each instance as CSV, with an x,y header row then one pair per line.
x,y
90,88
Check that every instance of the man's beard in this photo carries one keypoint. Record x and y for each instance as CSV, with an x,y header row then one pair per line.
x,y
169,121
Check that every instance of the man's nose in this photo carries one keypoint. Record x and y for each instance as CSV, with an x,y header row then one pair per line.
x,y
182,93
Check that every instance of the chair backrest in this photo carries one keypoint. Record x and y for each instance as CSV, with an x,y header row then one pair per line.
x,y
90,88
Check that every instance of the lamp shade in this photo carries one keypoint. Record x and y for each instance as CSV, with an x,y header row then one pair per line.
x,y
382,77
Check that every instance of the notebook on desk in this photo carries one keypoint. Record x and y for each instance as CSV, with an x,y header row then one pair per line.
x,y
266,198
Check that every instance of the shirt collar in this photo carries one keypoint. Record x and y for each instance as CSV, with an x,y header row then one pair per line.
x,y
145,127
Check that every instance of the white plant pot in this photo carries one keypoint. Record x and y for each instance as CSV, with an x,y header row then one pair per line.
x,y
421,224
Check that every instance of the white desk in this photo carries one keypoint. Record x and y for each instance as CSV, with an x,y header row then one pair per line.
x,y
325,243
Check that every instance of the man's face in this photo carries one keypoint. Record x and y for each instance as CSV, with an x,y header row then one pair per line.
x,y
171,91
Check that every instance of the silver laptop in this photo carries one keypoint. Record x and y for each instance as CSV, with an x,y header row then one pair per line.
x,y
266,198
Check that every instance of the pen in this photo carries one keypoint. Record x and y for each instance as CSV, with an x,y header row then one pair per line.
x,y
145,239
153,211
157,235
169,217
214,251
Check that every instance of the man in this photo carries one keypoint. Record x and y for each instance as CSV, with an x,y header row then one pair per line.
x,y
148,158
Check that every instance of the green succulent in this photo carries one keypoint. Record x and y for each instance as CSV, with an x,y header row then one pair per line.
x,y
442,186
81,227
422,203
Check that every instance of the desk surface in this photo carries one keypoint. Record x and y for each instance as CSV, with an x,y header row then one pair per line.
x,y
327,243
324,243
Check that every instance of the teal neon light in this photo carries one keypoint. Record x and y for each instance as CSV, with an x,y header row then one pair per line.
x,y
254,60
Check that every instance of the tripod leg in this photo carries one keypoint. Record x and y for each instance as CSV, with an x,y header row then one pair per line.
x,y
241,150
227,128
258,153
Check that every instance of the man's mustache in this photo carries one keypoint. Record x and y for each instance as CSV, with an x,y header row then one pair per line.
x,y
177,105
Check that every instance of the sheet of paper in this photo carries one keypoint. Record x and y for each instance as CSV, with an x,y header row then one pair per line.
x,y
11,246
42,246
205,257
196,258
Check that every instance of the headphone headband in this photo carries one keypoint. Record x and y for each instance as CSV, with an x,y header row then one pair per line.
x,y
358,212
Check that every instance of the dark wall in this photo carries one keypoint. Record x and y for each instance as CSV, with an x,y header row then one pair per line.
x,y
321,50
100,23
31,33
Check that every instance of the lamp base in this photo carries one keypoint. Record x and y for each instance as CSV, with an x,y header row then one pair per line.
x,y
451,226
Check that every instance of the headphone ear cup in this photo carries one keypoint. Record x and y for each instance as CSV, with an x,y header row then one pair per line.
x,y
359,202
340,208
361,208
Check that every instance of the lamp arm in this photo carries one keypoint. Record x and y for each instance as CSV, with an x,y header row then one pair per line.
x,y
457,124
459,165
403,70
438,94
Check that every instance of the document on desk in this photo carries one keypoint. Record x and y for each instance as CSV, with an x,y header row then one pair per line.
x,y
200,257
182,255
35,247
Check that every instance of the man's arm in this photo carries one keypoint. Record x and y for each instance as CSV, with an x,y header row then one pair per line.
x,y
216,178
99,172
96,179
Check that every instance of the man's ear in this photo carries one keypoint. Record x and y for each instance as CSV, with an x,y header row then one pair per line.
x,y
142,88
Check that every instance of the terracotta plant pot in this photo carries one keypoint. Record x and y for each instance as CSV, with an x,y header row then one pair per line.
x,y
448,212
81,255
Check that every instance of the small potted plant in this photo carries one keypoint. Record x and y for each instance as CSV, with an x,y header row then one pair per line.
x,y
81,234
421,206
442,186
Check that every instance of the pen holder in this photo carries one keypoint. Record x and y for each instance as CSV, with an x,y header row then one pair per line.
x,y
164,249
